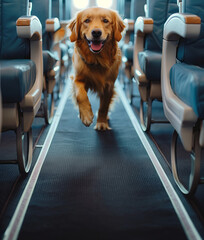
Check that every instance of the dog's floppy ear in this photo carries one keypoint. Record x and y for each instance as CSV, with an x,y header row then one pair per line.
x,y
119,26
74,26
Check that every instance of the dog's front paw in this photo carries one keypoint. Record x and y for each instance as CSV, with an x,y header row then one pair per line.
x,y
102,126
86,116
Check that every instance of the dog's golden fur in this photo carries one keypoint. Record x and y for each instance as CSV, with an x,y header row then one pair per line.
x,y
96,60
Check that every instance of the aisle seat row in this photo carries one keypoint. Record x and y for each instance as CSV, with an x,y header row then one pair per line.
x,y
168,65
30,70
182,84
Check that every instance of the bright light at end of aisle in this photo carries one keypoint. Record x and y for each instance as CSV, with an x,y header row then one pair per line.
x,y
81,3
104,3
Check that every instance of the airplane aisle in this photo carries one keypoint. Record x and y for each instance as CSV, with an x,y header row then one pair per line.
x,y
99,185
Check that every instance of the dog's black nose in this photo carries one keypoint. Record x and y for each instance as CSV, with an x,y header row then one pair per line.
x,y
96,33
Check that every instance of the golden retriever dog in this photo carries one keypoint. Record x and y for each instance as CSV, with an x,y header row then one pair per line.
x,y
96,60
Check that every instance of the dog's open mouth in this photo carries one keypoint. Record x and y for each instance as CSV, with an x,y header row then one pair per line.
x,y
95,45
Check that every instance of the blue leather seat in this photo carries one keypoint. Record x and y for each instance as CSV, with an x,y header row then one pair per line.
x,y
49,61
58,8
127,51
121,8
51,57
187,78
150,63
43,13
148,55
21,75
9,41
17,78
159,11
183,88
187,82
124,8
136,9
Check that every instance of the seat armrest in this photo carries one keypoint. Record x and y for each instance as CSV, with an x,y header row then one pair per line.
x,y
31,28
129,29
129,23
52,24
143,26
181,25
181,116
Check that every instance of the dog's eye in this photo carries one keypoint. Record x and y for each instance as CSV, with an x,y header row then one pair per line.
x,y
105,20
87,20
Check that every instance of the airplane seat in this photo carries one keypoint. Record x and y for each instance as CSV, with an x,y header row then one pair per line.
x,y
148,55
136,9
51,57
21,70
68,46
0,112
61,37
123,8
183,85
64,58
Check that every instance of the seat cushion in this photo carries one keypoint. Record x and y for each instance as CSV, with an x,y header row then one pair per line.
x,y
49,60
150,63
187,82
128,50
17,78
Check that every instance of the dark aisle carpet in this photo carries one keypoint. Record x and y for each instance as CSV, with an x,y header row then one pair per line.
x,y
99,185
160,135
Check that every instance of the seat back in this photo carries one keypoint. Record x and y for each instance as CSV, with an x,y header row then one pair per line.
x,y
120,7
192,51
57,10
11,46
66,10
123,7
159,11
137,9
127,8
42,9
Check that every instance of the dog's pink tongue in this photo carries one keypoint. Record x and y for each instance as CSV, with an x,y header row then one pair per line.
x,y
96,47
